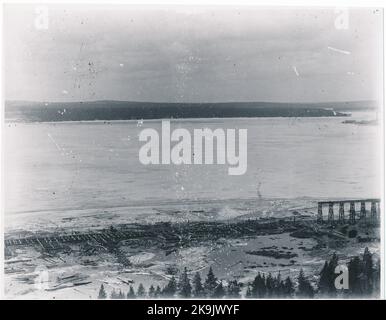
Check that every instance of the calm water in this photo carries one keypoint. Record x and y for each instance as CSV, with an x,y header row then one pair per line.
x,y
63,166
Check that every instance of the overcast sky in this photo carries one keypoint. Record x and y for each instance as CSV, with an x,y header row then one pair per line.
x,y
202,54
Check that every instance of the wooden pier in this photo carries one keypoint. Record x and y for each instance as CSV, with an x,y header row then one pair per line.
x,y
349,206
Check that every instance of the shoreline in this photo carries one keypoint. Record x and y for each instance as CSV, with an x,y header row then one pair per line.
x,y
198,119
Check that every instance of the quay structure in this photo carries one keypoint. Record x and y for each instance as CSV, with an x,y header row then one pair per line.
x,y
349,211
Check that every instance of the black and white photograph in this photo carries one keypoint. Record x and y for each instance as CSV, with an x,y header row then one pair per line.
x,y
192,151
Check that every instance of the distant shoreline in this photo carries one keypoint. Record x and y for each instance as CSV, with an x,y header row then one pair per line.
x,y
98,121
21,111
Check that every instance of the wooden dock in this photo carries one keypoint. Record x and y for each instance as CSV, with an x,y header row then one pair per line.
x,y
345,206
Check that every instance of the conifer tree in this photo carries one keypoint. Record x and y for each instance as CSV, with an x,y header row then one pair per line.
x,y
368,272
121,295
331,275
102,293
278,289
151,292
184,287
198,289
323,285
255,286
141,291
158,292
354,276
219,291
259,288
269,284
305,289
263,285
131,293
210,282
377,277
289,288
171,288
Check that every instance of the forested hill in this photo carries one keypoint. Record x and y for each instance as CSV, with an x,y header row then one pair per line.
x,y
23,111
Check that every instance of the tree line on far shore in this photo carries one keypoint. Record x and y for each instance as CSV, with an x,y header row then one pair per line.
x,y
363,281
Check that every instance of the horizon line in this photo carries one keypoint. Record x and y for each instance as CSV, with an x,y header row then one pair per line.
x,y
184,102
